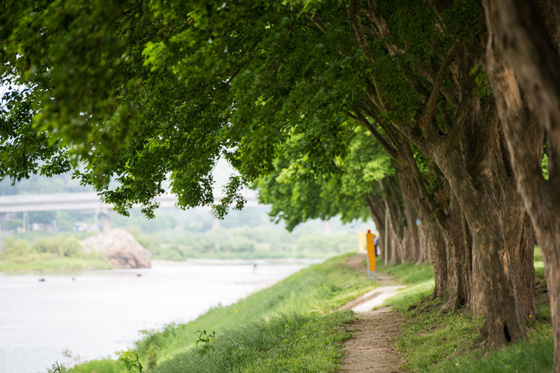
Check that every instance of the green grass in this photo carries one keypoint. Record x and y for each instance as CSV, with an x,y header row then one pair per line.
x,y
49,262
409,273
296,343
536,356
452,342
287,327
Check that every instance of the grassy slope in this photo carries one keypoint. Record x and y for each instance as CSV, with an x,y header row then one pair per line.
x,y
452,342
287,327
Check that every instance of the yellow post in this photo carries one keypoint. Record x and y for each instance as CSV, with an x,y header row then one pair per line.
x,y
370,252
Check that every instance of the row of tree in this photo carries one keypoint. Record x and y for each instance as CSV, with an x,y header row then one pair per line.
x,y
463,97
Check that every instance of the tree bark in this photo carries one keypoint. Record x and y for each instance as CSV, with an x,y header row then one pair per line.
x,y
458,261
522,65
411,234
492,273
436,244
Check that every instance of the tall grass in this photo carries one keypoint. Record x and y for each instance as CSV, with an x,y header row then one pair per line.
x,y
296,343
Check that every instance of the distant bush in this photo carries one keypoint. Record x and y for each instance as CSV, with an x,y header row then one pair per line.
x,y
61,246
52,247
14,248
330,243
49,254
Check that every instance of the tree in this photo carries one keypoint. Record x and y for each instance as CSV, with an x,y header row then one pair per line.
x,y
362,184
434,102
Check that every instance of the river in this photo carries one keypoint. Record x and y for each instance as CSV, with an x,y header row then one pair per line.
x,y
92,314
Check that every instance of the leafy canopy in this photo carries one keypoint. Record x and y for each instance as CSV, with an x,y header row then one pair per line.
x,y
142,92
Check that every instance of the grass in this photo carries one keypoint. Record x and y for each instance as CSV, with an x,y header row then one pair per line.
x,y
49,262
31,236
48,252
287,327
297,343
451,342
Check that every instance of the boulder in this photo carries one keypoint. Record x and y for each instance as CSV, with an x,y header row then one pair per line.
x,y
120,248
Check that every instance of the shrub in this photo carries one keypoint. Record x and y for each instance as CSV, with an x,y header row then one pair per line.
x,y
61,246
15,248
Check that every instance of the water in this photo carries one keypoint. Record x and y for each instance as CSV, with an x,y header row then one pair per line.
x,y
93,314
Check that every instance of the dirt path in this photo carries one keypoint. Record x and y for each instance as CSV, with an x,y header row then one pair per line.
x,y
372,349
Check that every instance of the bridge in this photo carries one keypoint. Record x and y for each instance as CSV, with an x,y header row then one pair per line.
x,y
83,201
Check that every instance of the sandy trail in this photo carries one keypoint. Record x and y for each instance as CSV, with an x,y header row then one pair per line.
x,y
372,349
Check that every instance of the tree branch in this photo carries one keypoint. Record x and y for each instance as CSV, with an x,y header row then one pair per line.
x,y
425,120
461,114
367,125
364,46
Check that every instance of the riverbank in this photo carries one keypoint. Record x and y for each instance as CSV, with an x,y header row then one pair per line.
x,y
256,261
294,326
53,251
289,325
52,263
49,254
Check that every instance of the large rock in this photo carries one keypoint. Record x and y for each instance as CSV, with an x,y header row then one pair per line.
x,y
120,248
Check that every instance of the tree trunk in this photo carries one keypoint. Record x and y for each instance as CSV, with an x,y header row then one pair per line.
x,y
393,203
520,242
437,249
480,201
503,319
411,235
375,205
522,64
458,266
423,246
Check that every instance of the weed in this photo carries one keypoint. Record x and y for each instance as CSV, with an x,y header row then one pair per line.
x,y
204,342
151,355
131,360
57,368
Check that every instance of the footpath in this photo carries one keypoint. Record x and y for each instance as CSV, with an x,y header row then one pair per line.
x,y
372,349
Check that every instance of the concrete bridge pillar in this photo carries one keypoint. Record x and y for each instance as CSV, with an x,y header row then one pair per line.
x,y
26,225
102,219
106,222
